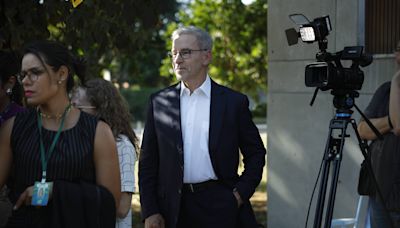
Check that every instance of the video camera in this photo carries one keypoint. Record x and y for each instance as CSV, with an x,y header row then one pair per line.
x,y
328,72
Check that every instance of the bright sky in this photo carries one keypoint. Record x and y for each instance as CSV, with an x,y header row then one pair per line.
x,y
247,2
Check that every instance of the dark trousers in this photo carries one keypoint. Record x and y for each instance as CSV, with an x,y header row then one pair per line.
x,y
214,206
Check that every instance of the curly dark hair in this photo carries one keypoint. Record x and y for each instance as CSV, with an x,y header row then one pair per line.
x,y
111,107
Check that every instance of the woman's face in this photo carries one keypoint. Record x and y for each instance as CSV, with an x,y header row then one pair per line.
x,y
80,100
41,83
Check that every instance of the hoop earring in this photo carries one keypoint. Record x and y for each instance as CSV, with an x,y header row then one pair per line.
x,y
9,91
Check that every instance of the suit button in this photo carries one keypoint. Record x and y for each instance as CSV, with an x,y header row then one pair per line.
x,y
179,191
181,167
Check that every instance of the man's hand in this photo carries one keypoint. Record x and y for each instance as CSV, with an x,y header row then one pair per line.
x,y
238,198
154,221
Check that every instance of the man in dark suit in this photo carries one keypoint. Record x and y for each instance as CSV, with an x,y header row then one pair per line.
x,y
188,167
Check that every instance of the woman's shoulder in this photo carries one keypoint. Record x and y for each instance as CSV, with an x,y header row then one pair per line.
x,y
25,115
124,144
88,120
123,140
15,108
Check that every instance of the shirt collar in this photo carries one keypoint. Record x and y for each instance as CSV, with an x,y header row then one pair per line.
x,y
205,87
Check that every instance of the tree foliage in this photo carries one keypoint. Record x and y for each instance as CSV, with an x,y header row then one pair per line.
x,y
240,41
120,34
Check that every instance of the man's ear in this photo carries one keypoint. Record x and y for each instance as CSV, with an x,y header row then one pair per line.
x,y
207,58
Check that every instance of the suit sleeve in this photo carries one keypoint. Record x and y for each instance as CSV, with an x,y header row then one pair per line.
x,y
253,151
148,166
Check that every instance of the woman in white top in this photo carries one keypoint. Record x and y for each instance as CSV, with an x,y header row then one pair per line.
x,y
99,97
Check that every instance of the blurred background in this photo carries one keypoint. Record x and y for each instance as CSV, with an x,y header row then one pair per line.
x,y
126,42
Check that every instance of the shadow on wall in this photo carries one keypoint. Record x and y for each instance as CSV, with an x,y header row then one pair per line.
x,y
293,171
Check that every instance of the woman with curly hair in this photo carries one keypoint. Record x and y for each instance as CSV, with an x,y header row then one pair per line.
x,y
100,98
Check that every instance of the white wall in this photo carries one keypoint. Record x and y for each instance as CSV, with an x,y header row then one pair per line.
x,y
297,133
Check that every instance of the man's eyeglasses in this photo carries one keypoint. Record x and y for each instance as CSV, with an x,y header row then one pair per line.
x,y
32,74
184,53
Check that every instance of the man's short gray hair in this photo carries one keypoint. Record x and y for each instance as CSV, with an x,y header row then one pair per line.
x,y
203,38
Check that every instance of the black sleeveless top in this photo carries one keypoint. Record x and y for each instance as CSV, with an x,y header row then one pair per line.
x,y
71,160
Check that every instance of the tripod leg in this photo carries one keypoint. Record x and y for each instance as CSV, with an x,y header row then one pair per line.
x,y
324,180
333,152
319,210
336,168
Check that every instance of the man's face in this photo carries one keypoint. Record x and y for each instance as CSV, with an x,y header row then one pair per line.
x,y
188,59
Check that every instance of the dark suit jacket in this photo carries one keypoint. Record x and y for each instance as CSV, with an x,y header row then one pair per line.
x,y
161,158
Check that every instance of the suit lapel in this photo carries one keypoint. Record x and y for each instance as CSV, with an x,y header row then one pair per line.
x,y
176,116
216,116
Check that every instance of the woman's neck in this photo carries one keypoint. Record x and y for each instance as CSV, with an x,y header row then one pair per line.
x,y
53,110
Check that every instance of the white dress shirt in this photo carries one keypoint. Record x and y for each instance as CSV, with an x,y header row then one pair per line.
x,y
195,121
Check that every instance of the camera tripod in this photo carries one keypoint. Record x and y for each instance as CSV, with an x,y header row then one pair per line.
x,y
333,154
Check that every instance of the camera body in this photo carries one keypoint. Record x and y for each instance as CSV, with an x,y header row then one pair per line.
x,y
328,72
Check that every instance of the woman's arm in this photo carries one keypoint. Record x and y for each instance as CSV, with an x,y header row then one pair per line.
x,y
124,204
106,161
381,124
394,105
127,159
5,150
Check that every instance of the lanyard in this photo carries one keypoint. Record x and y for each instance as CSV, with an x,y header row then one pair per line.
x,y
43,156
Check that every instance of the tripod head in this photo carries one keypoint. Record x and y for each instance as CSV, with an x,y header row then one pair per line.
x,y
343,100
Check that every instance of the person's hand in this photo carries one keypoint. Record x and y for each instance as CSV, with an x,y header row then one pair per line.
x,y
24,198
154,221
238,198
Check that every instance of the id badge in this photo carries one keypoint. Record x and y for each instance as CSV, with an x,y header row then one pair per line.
x,y
41,192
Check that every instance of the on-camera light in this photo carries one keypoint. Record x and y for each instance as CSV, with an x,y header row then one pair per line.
x,y
307,34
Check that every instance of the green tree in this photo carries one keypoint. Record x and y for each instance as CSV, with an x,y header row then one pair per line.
x,y
123,35
240,41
